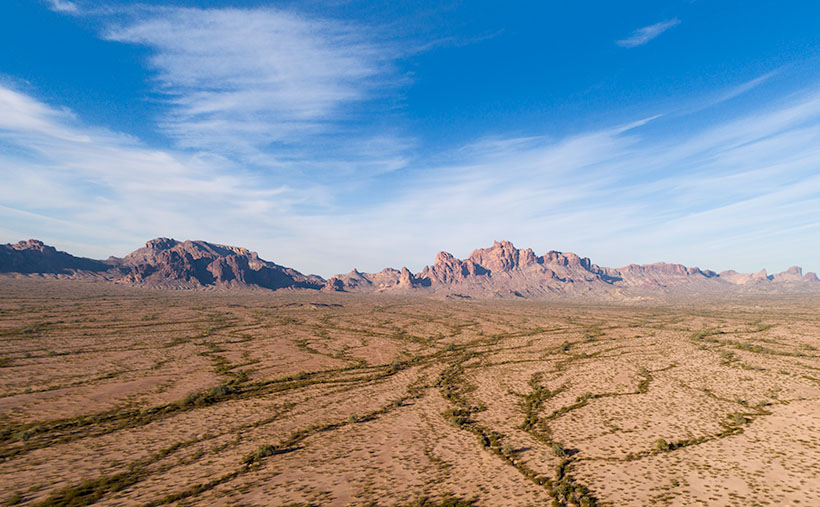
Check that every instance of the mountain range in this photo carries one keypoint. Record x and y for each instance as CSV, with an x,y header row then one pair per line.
x,y
501,270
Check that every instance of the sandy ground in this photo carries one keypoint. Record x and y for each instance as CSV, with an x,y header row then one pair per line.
x,y
125,396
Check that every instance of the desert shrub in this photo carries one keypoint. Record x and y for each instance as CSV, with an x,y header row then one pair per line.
x,y
558,450
263,451
34,328
26,434
15,499
661,445
91,490
397,365
458,416
532,403
213,395
592,334
448,500
706,335
219,391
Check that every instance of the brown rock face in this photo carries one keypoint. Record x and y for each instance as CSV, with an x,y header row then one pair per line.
x,y
33,256
502,256
167,262
662,268
501,270
793,274
447,270
386,279
406,279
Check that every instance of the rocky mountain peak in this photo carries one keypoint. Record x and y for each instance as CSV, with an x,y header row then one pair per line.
x,y
502,256
161,244
33,244
501,270
34,256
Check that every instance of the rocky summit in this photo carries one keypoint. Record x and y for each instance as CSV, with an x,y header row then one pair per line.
x,y
162,263
500,271
167,262
34,257
506,271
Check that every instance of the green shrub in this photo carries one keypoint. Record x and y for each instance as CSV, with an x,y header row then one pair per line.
x,y
446,501
263,451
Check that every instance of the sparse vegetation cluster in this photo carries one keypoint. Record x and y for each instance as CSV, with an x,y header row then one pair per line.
x,y
125,396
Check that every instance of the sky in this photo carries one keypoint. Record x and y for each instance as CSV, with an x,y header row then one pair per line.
x,y
328,135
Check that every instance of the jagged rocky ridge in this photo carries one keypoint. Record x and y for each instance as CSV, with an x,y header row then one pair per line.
x,y
163,262
499,271
32,256
504,270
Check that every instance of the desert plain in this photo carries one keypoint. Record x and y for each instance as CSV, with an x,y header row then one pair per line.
x,y
120,395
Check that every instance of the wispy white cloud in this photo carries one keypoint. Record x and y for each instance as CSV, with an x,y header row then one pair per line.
x,y
64,6
711,198
101,184
743,194
643,35
726,94
247,89
744,87
240,81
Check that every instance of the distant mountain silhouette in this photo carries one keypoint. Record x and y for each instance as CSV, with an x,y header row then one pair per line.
x,y
499,271
167,262
33,256
505,271
162,262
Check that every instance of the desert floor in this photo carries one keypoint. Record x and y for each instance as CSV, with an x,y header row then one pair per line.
x,y
123,396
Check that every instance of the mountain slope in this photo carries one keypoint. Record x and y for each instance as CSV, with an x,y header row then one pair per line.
x,y
168,262
504,270
162,262
501,270
33,256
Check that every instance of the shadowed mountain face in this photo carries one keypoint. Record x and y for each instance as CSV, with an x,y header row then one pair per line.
x,y
161,263
499,271
505,271
33,256
164,262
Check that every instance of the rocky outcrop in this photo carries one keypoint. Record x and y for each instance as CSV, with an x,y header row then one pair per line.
x,y
162,262
793,274
502,270
386,279
33,256
167,262
448,270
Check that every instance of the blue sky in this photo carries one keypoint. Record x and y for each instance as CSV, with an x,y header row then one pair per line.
x,y
341,134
